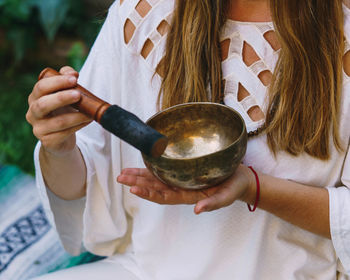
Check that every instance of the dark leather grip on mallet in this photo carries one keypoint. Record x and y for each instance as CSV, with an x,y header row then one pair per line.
x,y
118,121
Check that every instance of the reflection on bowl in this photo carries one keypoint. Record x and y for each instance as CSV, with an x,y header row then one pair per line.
x,y
206,144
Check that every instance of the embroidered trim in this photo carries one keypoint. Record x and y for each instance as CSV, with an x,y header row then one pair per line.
x,y
21,235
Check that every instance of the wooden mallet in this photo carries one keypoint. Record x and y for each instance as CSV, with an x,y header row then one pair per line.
x,y
118,121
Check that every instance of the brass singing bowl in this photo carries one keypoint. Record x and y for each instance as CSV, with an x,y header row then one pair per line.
x,y
207,142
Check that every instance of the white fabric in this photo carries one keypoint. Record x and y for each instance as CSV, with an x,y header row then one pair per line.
x,y
170,242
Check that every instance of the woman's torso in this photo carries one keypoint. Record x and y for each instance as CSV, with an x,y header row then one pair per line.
x,y
170,242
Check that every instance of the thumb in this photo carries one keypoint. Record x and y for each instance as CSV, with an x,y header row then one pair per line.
x,y
222,198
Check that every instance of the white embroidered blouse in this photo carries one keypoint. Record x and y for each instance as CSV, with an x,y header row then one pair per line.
x,y
170,242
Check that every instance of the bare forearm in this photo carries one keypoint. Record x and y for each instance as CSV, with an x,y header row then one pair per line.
x,y
304,206
64,175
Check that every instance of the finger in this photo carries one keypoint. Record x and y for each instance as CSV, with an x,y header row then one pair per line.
x,y
140,181
167,195
67,70
222,198
54,140
60,123
141,192
52,84
48,103
144,172
157,196
134,180
147,194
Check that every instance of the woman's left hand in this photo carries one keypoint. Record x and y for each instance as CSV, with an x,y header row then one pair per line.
x,y
241,186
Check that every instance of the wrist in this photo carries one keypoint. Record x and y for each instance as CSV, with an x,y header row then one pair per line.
x,y
250,194
65,150
48,153
64,173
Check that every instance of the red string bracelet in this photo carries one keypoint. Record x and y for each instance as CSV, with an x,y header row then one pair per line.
x,y
257,191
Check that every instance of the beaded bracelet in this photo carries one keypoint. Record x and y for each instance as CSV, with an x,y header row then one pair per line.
x,y
257,191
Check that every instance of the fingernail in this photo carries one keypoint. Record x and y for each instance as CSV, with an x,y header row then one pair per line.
x,y
72,79
198,210
75,94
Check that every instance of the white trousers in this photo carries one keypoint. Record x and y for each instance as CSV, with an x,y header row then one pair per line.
x,y
100,270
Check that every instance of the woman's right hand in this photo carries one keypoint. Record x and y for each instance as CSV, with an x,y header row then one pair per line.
x,y
54,121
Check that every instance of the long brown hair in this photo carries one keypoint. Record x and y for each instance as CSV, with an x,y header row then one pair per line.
x,y
192,60
306,87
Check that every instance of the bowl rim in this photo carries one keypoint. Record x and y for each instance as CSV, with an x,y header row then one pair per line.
x,y
242,134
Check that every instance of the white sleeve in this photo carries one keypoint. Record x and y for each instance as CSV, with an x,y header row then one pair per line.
x,y
93,221
339,205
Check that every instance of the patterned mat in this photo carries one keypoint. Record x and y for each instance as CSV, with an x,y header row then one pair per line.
x,y
28,244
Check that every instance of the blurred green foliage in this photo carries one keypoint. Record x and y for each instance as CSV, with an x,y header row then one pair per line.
x,y
29,32
16,139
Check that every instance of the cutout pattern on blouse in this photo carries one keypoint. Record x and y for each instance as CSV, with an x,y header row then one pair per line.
x,y
249,53
144,27
346,60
